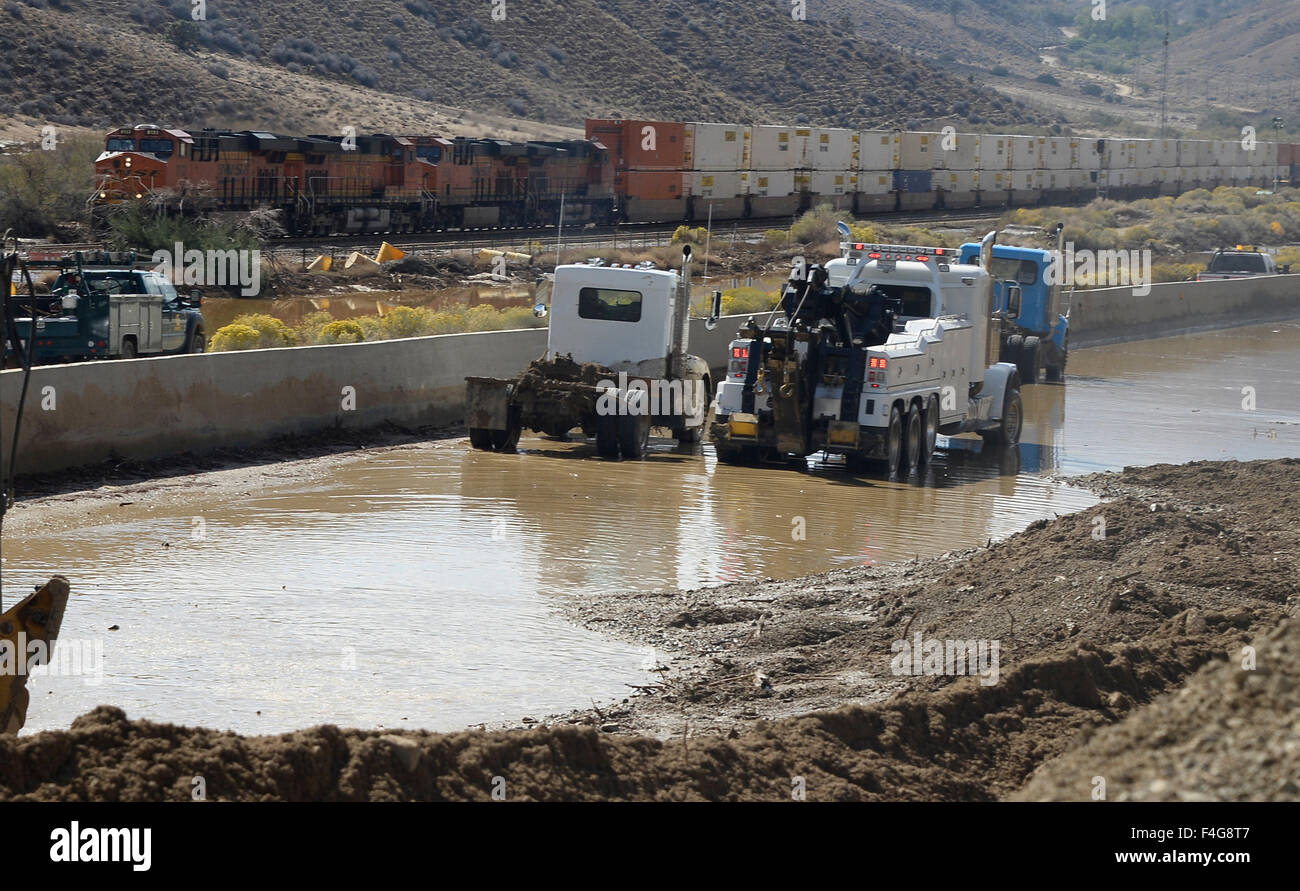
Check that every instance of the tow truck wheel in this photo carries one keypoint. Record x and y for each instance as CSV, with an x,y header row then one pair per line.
x,y
633,436
198,343
914,432
1030,360
607,436
930,424
895,440
1007,433
480,438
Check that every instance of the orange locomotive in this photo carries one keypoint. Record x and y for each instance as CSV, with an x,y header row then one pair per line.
x,y
357,183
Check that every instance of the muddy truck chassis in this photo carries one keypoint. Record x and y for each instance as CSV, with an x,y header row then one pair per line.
x,y
872,358
616,365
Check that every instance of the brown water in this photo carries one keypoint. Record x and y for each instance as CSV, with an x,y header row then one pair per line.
x,y
419,588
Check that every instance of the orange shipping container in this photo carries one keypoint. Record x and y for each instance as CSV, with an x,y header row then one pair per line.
x,y
637,145
651,185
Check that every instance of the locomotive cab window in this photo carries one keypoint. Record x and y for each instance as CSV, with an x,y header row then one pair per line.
x,y
156,146
120,144
609,305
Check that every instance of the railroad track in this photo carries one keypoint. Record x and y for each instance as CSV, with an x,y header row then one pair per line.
x,y
629,236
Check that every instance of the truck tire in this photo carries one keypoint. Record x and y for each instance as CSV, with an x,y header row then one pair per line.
x,y
129,350
1011,352
735,454
607,436
1056,371
480,438
1007,433
633,436
198,343
930,425
894,451
913,433
1030,360
689,435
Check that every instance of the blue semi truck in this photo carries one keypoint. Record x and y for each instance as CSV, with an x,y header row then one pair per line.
x,y
1035,326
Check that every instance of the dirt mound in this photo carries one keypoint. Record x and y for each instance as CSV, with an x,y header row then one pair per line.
x,y
1098,625
1231,734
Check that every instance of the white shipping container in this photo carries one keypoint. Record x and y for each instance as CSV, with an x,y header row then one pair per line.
x,y
995,152
832,149
833,182
716,184
876,182
1027,152
716,147
1166,153
917,151
1060,153
771,183
995,180
959,151
1026,179
773,148
956,180
878,150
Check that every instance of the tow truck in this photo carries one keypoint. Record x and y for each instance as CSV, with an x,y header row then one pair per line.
x,y
1242,262
102,307
616,365
871,357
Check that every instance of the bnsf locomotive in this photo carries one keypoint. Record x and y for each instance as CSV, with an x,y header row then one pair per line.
x,y
650,171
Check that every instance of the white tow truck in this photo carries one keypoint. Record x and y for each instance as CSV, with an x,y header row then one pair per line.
x,y
871,357
616,364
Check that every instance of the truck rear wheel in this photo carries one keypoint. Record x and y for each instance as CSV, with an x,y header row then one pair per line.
x,y
607,436
895,459
129,350
1014,347
913,433
930,425
1056,372
480,438
198,343
633,436
506,440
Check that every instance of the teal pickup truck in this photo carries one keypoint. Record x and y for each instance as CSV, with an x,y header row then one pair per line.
x,y
107,311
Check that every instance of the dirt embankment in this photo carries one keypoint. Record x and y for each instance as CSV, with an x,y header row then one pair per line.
x,y
1097,617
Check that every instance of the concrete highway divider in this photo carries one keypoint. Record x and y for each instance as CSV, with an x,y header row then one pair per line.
x,y
86,413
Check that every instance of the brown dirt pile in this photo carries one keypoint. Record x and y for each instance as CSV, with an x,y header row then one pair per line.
x,y
1094,632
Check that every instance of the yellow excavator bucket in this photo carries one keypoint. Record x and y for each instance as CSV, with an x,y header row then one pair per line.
x,y
36,617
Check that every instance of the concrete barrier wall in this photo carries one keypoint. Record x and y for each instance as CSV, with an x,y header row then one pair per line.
x,y
147,408
1111,315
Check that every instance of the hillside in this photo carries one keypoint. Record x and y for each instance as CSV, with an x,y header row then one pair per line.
x,y
301,65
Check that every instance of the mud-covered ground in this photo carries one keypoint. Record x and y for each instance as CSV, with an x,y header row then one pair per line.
x,y
1121,637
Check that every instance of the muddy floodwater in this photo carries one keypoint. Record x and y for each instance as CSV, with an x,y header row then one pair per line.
x,y
419,587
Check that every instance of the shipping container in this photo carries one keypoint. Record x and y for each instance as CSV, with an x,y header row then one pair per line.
x,y
959,187
640,144
913,181
917,150
995,180
1027,152
832,149
767,183
1026,180
878,150
715,184
716,147
773,148
995,152
876,182
958,151
652,185
833,182
1060,153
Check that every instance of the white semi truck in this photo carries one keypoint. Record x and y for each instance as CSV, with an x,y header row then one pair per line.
x,y
871,357
616,364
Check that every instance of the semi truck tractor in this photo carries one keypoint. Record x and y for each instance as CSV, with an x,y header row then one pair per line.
x,y
871,357
616,365
1035,326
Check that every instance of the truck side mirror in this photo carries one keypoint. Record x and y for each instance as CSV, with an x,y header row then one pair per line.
x,y
1012,290
196,298
539,309
715,311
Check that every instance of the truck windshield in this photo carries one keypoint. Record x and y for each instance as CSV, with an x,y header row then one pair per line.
x,y
1237,263
111,282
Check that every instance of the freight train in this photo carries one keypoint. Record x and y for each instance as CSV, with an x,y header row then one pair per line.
x,y
649,172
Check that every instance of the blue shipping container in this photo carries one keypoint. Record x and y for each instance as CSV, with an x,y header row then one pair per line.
x,y
912,181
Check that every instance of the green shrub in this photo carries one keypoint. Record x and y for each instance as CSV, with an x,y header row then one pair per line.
x,y
309,329
816,226
407,321
776,236
271,332
685,234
